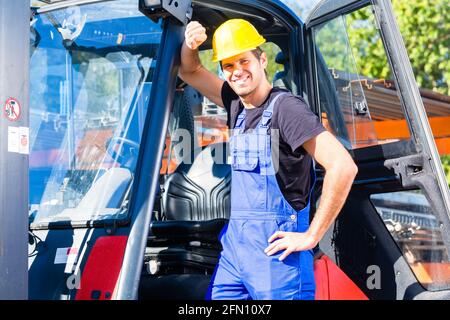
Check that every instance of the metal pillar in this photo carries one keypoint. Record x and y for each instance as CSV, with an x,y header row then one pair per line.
x,y
147,169
14,147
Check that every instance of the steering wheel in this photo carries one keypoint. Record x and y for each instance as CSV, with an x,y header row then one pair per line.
x,y
122,149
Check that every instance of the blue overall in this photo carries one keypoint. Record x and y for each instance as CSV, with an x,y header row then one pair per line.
x,y
258,210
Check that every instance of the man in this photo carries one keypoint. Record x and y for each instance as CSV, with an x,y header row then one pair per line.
x,y
268,242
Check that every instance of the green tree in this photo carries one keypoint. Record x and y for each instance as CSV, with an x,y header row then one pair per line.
x,y
425,27
425,30
446,164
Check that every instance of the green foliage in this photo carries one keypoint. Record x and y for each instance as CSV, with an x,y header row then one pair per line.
x,y
206,59
446,164
425,27
271,51
367,46
332,41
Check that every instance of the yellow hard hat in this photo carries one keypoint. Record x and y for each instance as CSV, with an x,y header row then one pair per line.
x,y
234,37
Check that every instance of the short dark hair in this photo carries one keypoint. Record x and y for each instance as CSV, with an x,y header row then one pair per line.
x,y
257,52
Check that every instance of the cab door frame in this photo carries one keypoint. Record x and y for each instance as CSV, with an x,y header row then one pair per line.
x,y
147,169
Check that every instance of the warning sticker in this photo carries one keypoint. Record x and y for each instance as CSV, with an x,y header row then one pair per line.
x,y
12,109
19,140
13,139
24,136
66,255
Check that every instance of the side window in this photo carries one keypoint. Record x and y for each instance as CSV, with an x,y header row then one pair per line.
x,y
358,98
195,122
181,137
416,230
211,123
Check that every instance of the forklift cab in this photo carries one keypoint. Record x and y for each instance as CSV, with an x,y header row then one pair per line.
x,y
129,179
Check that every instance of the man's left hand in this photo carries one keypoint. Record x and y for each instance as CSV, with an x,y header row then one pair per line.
x,y
289,242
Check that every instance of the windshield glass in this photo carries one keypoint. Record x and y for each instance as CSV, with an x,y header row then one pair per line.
x,y
91,72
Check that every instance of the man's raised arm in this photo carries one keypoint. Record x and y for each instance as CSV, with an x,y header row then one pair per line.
x,y
191,69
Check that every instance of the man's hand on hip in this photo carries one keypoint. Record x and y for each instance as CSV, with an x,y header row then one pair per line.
x,y
289,242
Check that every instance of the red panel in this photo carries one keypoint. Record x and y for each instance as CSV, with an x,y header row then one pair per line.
x,y
333,284
102,268
321,277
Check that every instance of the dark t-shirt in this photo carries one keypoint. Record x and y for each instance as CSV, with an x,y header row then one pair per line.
x,y
296,124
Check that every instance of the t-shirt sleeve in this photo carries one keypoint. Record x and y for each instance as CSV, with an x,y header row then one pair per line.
x,y
297,123
228,95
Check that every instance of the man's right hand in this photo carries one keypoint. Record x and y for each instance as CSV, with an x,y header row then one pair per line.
x,y
194,35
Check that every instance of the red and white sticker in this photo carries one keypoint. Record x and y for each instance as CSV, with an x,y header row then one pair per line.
x,y
24,135
12,109
66,255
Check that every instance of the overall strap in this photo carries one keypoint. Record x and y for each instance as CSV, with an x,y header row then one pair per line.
x,y
240,121
267,114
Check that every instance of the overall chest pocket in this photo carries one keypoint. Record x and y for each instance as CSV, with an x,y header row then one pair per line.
x,y
249,151
245,162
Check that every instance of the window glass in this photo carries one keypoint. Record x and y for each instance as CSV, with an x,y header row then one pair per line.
x,y
194,123
91,73
358,97
415,228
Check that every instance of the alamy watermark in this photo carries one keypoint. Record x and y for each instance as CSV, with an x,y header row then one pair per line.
x,y
374,279
74,281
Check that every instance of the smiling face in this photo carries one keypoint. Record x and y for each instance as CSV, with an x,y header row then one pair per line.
x,y
245,72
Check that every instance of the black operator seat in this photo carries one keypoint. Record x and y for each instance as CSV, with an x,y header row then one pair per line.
x,y
196,197
183,250
282,79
